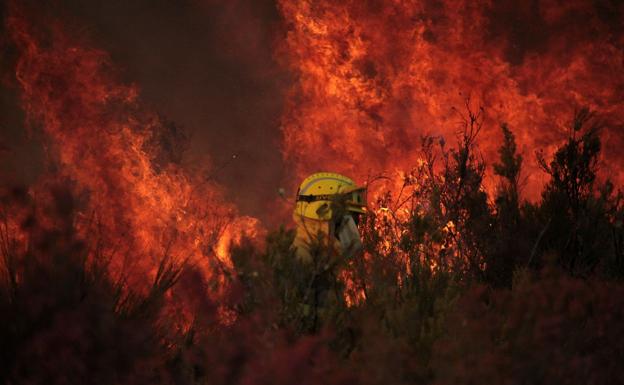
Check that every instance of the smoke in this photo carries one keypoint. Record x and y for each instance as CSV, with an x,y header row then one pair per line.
x,y
207,66
356,85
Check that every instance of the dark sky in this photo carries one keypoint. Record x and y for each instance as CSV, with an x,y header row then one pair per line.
x,y
206,65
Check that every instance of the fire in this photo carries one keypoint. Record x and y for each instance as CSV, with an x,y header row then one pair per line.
x,y
372,77
138,201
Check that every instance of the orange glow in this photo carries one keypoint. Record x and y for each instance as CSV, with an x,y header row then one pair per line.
x,y
372,77
140,206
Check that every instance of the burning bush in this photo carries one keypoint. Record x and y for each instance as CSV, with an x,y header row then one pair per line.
x,y
428,301
123,274
64,319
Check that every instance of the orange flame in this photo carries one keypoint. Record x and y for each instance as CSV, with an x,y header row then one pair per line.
x,y
140,206
372,77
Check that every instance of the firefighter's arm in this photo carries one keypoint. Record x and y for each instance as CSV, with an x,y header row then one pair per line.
x,y
349,237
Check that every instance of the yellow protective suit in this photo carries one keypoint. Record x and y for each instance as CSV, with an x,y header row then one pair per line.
x,y
343,239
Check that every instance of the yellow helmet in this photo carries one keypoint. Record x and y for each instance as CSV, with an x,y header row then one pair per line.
x,y
316,192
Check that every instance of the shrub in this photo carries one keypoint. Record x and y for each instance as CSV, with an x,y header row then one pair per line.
x,y
549,329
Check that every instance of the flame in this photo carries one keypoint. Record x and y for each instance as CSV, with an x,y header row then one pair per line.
x,y
138,203
372,77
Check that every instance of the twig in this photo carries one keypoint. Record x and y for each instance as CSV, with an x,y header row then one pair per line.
x,y
537,242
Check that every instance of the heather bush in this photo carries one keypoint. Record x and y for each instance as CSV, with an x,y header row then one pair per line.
x,y
64,319
549,329
451,287
439,239
574,208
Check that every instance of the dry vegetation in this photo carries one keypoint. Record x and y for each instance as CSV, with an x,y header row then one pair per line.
x,y
454,288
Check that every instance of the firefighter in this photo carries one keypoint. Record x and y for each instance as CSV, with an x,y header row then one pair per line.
x,y
327,211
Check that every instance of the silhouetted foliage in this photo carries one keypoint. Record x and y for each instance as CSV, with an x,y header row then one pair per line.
x,y
510,243
64,319
577,214
548,329
451,287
